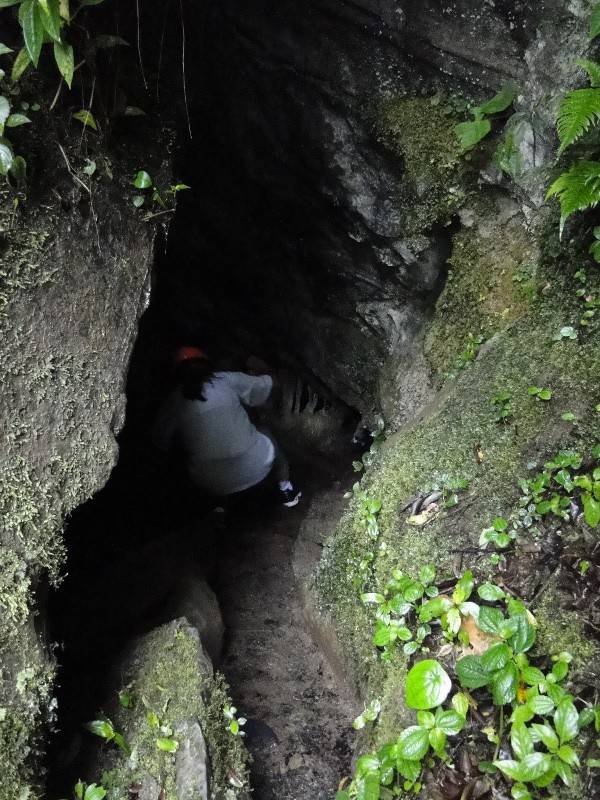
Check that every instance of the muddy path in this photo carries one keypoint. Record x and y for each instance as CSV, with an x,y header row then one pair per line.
x,y
299,713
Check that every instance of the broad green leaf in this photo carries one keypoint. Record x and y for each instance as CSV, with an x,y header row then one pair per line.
x,y
102,728
520,792
86,118
471,672
541,705
50,17
427,685
490,592
125,700
565,721
546,734
18,169
30,17
413,743
453,620
4,111
471,133
568,755
15,120
94,792
520,741
586,717
342,795
369,787
426,719
168,745
532,676
434,608
21,62
4,49
427,574
490,619
504,685
8,3
383,634
496,657
595,22
367,763
591,510
65,61
437,740
464,587
500,102
524,636
451,722
408,769
460,703
564,772
534,766
79,789
119,740
560,670
142,180
368,597
510,768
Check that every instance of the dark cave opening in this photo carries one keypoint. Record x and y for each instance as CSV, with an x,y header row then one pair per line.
x,y
263,257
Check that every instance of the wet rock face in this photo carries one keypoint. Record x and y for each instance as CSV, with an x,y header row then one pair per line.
x,y
74,283
303,202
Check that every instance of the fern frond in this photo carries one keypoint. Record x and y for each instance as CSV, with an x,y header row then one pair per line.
x,y
592,69
578,110
577,189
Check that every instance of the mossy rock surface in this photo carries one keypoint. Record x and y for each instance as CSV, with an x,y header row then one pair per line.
x,y
458,437
169,694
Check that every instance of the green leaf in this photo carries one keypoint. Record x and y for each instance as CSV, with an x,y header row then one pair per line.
x,y
504,685
4,49
413,743
541,705
546,734
434,608
102,728
427,574
577,190
167,745
4,111
65,61
369,787
520,741
15,120
568,755
586,717
94,792
534,766
8,3
510,768
460,703
142,180
500,102
119,740
368,597
523,637
125,700
471,672
471,133
578,111
86,118
21,62
490,592
591,510
496,657
451,722
427,685
595,22
30,17
565,721
464,587
426,719
437,740
545,394
152,719
532,676
79,789
18,169
490,619
592,69
134,111
453,620
520,792
50,17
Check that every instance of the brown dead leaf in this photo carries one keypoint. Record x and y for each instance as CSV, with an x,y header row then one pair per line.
x,y
479,454
426,516
479,640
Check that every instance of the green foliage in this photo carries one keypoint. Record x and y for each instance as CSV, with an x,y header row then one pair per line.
x,y
539,393
467,356
502,406
234,723
378,436
370,714
471,133
579,110
143,182
105,730
84,791
595,22
577,189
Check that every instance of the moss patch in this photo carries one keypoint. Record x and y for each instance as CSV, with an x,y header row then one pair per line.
x,y
458,437
167,674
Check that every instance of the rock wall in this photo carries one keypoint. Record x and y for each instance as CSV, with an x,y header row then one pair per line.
x,y
74,282
325,233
